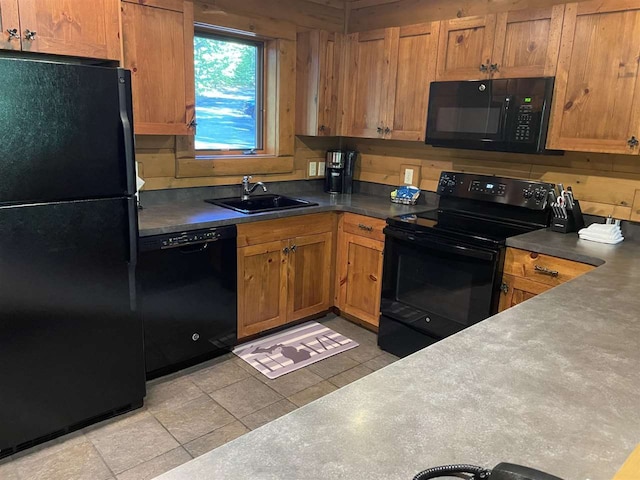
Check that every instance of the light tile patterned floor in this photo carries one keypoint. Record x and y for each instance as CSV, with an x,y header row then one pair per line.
x,y
192,412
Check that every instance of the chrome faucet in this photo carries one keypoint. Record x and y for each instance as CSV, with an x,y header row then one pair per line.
x,y
246,190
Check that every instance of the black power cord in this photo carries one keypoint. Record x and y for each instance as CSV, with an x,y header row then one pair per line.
x,y
478,473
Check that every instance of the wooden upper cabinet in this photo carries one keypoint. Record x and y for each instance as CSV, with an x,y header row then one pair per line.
x,y
158,49
527,43
412,72
387,82
596,104
317,82
10,35
367,83
465,47
309,275
78,28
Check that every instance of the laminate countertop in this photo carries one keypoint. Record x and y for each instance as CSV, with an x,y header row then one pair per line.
x,y
193,214
552,383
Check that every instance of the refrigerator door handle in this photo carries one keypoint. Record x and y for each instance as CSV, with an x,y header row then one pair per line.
x,y
126,117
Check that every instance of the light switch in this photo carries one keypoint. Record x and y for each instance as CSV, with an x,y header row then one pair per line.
x,y
313,169
408,176
321,169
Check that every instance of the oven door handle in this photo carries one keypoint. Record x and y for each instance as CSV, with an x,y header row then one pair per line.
x,y
464,250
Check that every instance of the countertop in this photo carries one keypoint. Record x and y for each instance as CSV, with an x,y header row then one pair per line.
x,y
194,214
552,383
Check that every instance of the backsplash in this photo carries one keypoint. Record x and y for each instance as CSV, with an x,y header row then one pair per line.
x,y
605,184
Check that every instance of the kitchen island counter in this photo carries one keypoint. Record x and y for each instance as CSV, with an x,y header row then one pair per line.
x,y
552,383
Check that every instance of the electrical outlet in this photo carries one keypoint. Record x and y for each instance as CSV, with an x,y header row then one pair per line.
x,y
313,169
321,169
408,176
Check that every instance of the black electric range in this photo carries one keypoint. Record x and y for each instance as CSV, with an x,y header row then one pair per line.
x,y
443,268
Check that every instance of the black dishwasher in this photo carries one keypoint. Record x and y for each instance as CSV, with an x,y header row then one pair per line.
x,y
187,294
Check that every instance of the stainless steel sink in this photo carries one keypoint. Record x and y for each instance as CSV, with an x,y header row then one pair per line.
x,y
260,203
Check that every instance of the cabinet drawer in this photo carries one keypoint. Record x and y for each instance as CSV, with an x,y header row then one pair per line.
x,y
542,268
255,233
364,226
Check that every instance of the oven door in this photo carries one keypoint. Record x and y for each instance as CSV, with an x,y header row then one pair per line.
x,y
473,112
437,287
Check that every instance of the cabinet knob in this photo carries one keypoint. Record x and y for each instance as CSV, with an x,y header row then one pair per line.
x,y
379,130
29,35
483,67
193,123
322,128
285,250
505,288
293,248
387,131
13,33
493,67
633,142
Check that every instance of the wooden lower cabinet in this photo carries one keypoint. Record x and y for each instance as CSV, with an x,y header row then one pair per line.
x,y
286,278
527,274
359,267
309,262
262,287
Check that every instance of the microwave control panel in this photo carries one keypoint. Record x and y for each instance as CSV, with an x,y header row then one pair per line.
x,y
524,121
509,191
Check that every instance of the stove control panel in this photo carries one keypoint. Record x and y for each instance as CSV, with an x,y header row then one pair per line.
x,y
509,191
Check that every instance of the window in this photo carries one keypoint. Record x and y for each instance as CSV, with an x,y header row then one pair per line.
x,y
229,85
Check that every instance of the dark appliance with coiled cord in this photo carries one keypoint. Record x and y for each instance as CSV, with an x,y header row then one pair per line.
x,y
502,471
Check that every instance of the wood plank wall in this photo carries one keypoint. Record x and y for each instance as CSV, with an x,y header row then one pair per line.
x,y
156,155
604,184
365,15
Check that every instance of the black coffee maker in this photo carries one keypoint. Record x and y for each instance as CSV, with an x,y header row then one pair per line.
x,y
339,168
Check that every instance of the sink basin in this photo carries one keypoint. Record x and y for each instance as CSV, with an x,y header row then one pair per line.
x,y
260,203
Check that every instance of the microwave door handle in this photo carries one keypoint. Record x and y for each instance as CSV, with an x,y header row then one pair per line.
x,y
505,117
463,250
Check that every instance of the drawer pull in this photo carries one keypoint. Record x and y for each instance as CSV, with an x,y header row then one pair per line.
x,y
545,271
362,226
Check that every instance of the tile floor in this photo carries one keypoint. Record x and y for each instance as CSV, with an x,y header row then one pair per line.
x,y
192,412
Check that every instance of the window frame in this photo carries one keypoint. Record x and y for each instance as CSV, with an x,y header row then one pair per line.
x,y
219,33
279,103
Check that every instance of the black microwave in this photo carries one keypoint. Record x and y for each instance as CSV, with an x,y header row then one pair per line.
x,y
504,115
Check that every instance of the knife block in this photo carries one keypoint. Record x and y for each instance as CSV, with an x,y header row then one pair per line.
x,y
573,222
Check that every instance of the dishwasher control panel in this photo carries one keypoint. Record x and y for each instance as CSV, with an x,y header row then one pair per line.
x,y
179,239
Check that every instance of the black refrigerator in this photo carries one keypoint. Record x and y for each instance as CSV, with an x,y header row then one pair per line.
x,y
71,347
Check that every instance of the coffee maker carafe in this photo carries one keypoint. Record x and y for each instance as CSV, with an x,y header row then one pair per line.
x,y
339,171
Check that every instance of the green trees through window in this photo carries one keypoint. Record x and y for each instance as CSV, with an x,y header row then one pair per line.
x,y
229,84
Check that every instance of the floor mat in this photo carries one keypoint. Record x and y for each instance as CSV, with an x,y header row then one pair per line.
x,y
293,348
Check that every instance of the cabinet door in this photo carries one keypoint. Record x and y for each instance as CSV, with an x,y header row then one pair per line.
x,y
367,83
73,27
360,277
527,43
309,275
10,37
317,82
262,287
516,290
464,48
412,72
158,49
596,103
